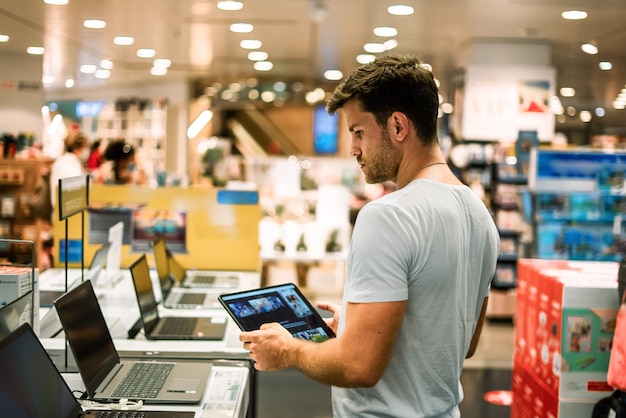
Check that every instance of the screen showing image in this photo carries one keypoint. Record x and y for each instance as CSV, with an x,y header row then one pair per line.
x,y
283,304
325,131
150,224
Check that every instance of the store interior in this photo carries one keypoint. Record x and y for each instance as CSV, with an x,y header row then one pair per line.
x,y
242,169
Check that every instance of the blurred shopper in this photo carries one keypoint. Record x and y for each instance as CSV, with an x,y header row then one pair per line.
x,y
419,267
69,164
121,164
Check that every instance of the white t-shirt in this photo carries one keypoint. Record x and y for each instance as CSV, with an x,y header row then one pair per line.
x,y
67,165
435,245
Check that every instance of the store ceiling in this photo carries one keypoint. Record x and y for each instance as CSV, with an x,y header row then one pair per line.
x,y
306,37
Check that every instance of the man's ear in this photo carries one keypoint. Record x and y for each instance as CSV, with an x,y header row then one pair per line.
x,y
400,125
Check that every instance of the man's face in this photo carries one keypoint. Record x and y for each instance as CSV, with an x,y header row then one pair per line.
x,y
372,145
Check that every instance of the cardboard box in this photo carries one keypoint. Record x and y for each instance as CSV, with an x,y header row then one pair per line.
x,y
565,320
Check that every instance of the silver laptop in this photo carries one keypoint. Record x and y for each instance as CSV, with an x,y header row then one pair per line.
x,y
105,375
57,277
174,296
193,278
16,313
32,385
169,327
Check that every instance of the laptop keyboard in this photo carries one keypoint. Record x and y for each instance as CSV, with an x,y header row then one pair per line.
x,y
119,414
143,381
191,298
200,279
178,326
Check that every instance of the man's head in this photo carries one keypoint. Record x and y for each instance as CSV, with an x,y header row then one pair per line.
x,y
75,143
393,84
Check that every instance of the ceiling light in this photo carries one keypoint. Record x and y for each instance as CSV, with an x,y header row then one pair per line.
x,y
250,44
146,53
619,105
241,27
158,70
199,123
567,92
574,14
95,24
56,2
268,96
229,5
162,62
69,83
47,79
385,31
365,58
257,55
263,65
106,64
88,68
123,40
400,10
102,73
390,44
374,48
589,48
585,116
447,108
4,38
280,86
605,65
333,75
600,112
35,50
571,110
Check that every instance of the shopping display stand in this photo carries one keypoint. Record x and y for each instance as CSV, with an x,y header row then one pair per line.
x,y
73,199
32,265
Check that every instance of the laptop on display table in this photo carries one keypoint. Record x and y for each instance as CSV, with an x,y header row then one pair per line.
x,y
31,385
174,296
169,327
192,278
109,378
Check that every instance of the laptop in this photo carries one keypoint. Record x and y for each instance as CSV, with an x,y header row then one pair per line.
x,y
47,297
104,374
169,328
174,296
15,313
113,273
192,278
31,385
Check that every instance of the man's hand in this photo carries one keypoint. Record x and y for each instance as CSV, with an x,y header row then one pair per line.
x,y
270,347
335,309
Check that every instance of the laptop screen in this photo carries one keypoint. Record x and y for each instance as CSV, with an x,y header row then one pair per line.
x,y
15,314
145,294
162,265
114,256
88,334
30,384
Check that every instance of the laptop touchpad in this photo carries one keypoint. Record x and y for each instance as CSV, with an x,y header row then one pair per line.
x,y
183,385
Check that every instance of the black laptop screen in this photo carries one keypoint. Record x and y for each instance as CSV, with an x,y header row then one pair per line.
x,y
161,261
88,334
30,385
145,294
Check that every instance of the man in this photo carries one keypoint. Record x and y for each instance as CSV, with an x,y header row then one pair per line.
x,y
419,267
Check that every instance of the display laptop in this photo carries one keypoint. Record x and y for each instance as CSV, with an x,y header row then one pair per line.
x,y
99,364
113,273
167,327
174,296
284,304
31,385
15,313
47,297
192,278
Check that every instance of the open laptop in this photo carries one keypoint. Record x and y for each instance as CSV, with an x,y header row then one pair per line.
x,y
15,313
192,278
47,297
169,328
113,273
104,374
31,385
174,296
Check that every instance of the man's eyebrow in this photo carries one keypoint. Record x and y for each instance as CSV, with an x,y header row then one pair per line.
x,y
352,128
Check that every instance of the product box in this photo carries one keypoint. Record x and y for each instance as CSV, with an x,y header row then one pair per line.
x,y
533,399
15,282
565,320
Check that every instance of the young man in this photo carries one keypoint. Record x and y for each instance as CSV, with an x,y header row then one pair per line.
x,y
419,267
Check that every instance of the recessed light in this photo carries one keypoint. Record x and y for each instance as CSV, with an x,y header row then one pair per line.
x,y
400,10
123,40
102,73
374,48
390,44
47,79
585,116
146,53
574,14
257,55
365,58
56,2
162,62
88,68
4,38
106,64
158,70
589,48
567,92
605,65
600,112
69,83
229,5
385,31
333,75
35,50
241,27
263,65
95,24
250,44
